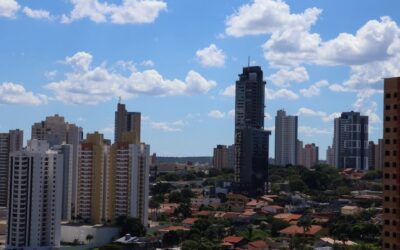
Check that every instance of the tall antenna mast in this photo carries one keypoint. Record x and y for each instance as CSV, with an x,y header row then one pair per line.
x,y
119,100
248,61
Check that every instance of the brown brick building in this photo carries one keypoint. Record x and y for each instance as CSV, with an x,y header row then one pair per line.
x,y
391,170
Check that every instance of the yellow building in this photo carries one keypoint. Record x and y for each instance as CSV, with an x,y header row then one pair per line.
x,y
93,161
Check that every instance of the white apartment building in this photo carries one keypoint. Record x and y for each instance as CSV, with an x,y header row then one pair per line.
x,y
35,191
128,182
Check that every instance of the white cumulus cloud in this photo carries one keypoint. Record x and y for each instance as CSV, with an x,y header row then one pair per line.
x,y
288,94
267,16
86,84
128,12
9,8
174,126
37,14
216,114
229,91
211,56
284,77
12,93
314,89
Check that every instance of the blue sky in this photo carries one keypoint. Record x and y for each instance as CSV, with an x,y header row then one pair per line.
x,y
176,61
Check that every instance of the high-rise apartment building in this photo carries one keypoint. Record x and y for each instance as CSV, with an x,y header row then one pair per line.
x,y
379,154
375,154
372,147
330,156
16,139
35,191
231,156
220,157
66,150
56,131
128,179
350,143
308,155
251,140
299,153
126,122
93,161
9,142
285,139
391,169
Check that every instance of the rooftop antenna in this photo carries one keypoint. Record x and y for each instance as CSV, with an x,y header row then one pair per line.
x,y
119,100
248,61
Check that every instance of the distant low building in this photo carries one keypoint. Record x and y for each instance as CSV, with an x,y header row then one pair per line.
x,y
197,202
351,210
329,242
237,202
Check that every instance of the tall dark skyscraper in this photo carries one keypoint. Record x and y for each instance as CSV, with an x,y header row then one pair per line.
x,y
126,122
350,142
251,140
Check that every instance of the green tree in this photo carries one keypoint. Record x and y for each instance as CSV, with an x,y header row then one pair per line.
x,y
132,226
172,238
305,222
161,188
278,225
190,245
183,210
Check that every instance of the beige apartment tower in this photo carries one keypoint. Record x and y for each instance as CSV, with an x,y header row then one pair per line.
x,y
126,122
93,161
391,169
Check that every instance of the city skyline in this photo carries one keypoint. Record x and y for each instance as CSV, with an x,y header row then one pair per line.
x,y
190,69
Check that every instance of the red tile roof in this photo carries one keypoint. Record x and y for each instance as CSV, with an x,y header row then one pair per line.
x,y
294,229
258,244
189,221
233,239
288,217
203,213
